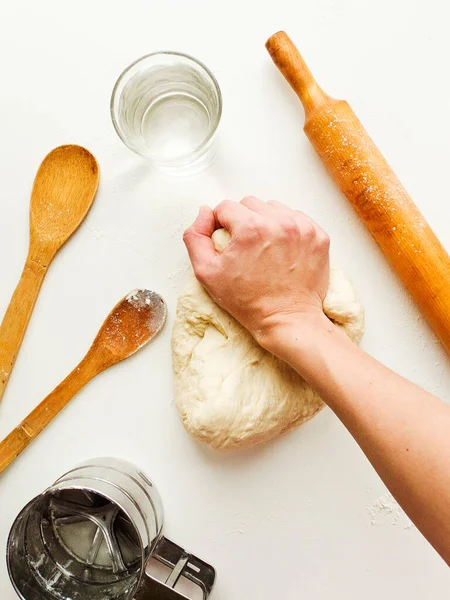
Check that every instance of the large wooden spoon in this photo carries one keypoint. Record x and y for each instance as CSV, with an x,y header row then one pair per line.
x,y
131,324
63,192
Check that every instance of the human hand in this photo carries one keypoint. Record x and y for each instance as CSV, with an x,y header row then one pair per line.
x,y
273,272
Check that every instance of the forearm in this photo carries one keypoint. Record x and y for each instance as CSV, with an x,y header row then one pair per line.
x,y
403,430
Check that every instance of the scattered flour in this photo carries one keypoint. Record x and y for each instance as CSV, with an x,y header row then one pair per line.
x,y
385,509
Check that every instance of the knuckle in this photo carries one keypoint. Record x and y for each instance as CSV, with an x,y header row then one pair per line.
x,y
264,226
324,240
224,204
257,230
187,234
202,272
308,231
250,227
275,204
248,199
289,227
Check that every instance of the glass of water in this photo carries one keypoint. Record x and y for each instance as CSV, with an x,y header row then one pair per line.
x,y
167,106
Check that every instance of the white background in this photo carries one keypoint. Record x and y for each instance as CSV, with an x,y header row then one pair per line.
x,y
289,520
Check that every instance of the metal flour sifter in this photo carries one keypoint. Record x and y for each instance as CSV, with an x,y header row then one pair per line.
x,y
91,536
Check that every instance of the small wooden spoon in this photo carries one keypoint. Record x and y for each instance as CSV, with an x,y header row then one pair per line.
x,y
133,322
63,192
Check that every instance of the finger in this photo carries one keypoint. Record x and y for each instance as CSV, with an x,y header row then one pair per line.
x,y
279,206
197,237
258,206
308,225
303,219
230,215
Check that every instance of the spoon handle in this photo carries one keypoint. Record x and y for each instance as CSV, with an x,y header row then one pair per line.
x,y
40,417
17,316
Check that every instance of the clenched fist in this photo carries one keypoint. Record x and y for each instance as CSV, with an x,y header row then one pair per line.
x,y
274,270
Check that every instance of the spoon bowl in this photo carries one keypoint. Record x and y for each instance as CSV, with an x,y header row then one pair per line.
x,y
132,323
63,191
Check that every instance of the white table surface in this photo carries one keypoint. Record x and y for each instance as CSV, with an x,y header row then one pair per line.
x,y
291,519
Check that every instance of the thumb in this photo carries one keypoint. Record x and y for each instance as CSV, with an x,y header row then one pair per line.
x,y
197,238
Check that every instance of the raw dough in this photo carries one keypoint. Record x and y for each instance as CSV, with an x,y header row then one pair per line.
x,y
231,393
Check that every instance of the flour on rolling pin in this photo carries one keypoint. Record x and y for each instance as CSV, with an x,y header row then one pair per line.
x,y
366,179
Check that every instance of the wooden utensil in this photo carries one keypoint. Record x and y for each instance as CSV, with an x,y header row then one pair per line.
x,y
63,192
372,187
132,323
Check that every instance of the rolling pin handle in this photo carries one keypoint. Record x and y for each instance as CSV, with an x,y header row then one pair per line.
x,y
291,64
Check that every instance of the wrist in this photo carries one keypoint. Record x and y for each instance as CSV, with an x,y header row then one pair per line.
x,y
299,331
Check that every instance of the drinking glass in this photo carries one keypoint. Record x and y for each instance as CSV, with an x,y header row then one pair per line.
x,y
166,106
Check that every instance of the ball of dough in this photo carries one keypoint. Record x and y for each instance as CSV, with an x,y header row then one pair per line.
x,y
230,392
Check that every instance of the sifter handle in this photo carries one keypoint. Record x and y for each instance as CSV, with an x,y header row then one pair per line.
x,y
183,564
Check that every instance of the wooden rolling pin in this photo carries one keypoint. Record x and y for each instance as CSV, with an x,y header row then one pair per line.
x,y
372,187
